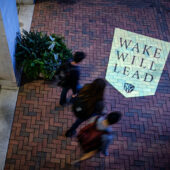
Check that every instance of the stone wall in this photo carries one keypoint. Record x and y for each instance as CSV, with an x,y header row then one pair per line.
x,y
9,26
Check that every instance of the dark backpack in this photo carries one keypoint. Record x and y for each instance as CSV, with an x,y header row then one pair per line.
x,y
90,138
79,107
63,74
81,110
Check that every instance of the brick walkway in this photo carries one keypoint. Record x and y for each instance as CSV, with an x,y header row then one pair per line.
x,y
142,138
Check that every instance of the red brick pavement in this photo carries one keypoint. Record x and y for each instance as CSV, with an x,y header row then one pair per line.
x,y
141,138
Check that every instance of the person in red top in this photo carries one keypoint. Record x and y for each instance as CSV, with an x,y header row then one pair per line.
x,y
102,124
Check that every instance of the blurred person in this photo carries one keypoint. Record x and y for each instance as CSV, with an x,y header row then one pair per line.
x,y
88,103
69,75
97,135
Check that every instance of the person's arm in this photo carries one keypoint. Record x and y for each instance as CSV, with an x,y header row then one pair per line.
x,y
74,80
99,107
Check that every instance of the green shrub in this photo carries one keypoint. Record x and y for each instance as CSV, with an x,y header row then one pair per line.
x,y
38,53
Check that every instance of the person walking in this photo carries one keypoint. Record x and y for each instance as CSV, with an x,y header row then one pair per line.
x,y
71,79
97,135
88,103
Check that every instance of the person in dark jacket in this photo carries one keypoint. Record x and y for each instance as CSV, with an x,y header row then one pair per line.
x,y
103,123
73,79
94,93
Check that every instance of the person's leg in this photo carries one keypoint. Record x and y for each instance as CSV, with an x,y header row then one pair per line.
x,y
73,128
106,141
88,155
85,156
63,95
75,125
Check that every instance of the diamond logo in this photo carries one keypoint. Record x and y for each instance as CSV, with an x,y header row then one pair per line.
x,y
128,87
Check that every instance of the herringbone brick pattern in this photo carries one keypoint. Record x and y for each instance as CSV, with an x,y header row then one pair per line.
x,y
141,138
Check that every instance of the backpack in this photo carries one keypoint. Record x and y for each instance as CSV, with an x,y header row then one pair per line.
x,y
90,138
63,74
79,107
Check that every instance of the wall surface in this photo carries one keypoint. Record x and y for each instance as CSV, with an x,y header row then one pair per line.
x,y
7,107
5,59
26,1
9,26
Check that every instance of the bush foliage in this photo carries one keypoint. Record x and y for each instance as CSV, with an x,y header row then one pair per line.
x,y
37,53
